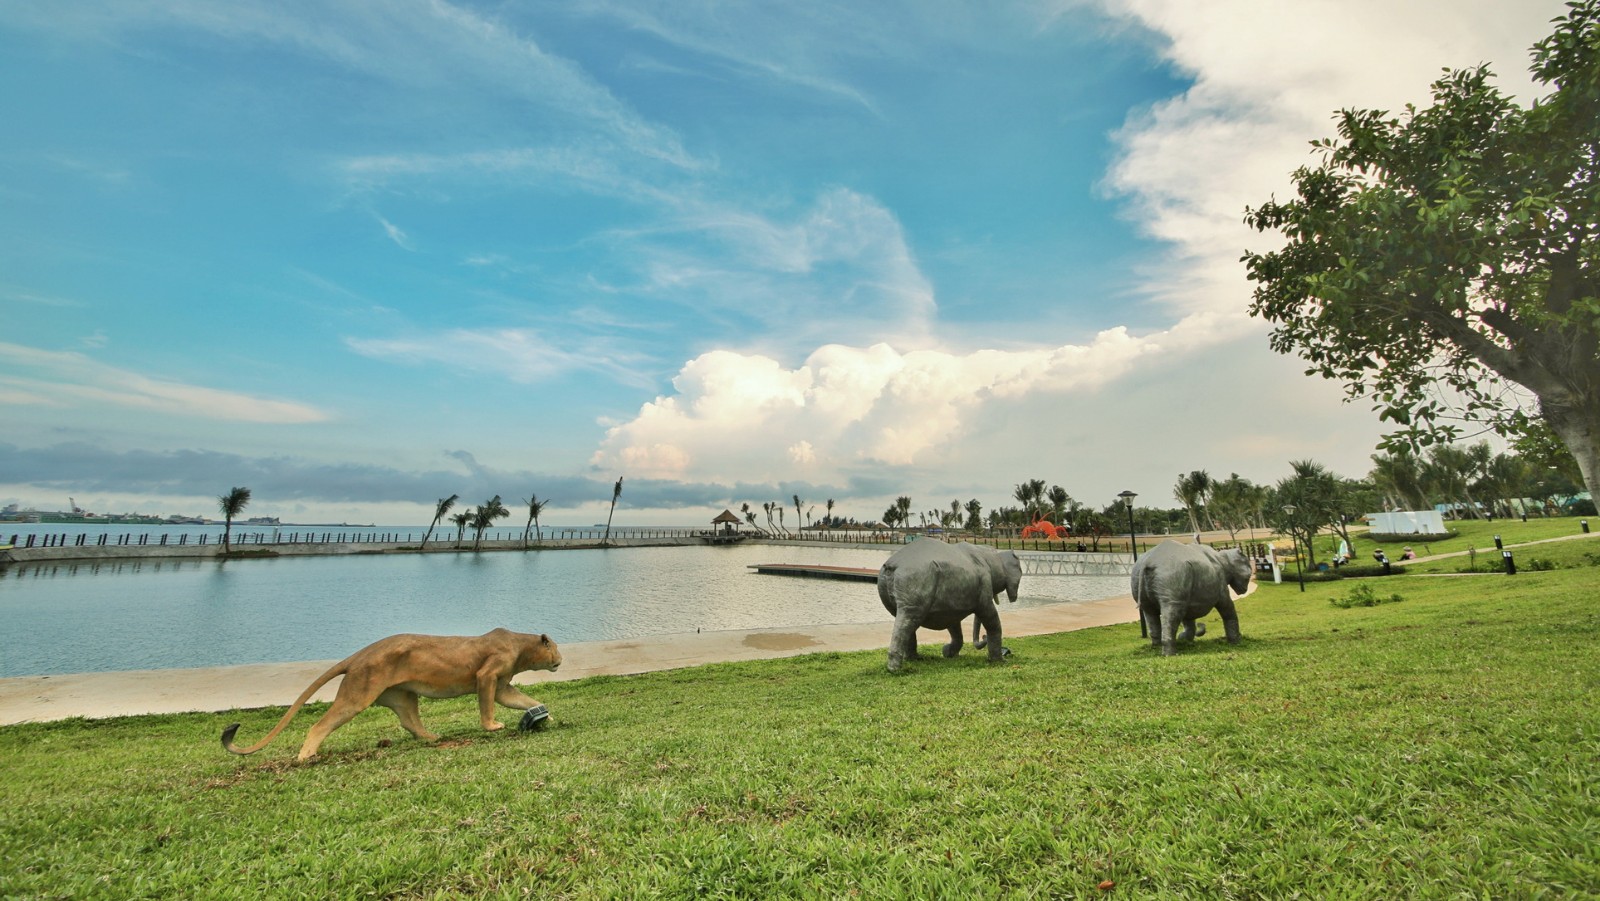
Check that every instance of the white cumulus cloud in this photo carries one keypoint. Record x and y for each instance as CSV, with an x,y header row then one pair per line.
x,y
746,417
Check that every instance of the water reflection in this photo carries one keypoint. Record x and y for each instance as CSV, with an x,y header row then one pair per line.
x,y
155,614
92,568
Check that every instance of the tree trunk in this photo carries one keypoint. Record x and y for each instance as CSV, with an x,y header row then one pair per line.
x,y
1579,430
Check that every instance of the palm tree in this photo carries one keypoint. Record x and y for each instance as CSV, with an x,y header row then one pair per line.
x,y
485,516
1193,490
460,520
1231,503
1449,469
535,507
781,526
1505,477
974,516
1398,477
232,504
615,493
439,510
902,506
1030,495
830,512
749,514
1315,495
799,519
1059,501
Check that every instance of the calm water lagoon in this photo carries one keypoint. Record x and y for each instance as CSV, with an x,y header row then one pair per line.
x,y
167,614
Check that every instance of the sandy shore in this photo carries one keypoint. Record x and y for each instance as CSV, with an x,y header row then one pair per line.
x,y
27,699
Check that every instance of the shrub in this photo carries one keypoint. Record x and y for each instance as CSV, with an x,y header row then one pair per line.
x,y
1366,570
1363,596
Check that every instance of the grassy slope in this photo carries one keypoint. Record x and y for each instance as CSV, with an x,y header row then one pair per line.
x,y
1443,746
1470,533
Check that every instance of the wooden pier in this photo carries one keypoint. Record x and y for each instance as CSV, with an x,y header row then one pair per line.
x,y
809,571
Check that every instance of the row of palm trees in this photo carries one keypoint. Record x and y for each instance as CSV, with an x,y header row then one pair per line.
x,y
802,515
483,516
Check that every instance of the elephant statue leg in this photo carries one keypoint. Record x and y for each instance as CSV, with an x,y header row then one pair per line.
x,y
989,616
1192,629
1150,625
978,641
902,640
1168,633
1230,620
954,647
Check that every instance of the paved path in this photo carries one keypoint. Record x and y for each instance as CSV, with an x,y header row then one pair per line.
x,y
41,698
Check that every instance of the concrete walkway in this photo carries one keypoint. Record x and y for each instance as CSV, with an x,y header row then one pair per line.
x,y
27,699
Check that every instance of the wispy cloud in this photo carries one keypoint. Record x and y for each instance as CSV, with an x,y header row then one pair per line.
x,y
67,379
523,355
396,234
749,43
416,44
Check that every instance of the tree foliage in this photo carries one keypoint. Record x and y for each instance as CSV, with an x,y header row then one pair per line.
x,y
439,510
231,505
1454,247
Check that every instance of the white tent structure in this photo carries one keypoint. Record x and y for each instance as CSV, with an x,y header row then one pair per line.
x,y
1407,522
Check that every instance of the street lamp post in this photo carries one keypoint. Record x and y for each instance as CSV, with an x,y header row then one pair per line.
x,y
1133,547
1127,501
1299,574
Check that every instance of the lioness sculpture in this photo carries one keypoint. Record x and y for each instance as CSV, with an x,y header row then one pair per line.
x,y
394,671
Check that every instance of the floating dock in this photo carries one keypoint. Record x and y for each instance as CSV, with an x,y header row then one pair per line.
x,y
809,571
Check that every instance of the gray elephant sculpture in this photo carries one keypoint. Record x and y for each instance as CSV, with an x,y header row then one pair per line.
x,y
1001,578
1177,583
932,585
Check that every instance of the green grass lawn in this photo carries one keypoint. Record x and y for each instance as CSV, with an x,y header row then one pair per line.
x,y
1469,533
1447,745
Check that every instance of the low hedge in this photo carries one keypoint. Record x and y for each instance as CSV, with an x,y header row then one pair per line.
x,y
1409,537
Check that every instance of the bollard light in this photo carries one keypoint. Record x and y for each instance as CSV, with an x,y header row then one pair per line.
x,y
1511,563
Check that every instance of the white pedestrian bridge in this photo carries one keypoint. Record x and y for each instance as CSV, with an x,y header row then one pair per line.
x,y
1073,563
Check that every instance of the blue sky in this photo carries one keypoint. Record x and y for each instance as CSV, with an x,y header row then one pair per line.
x,y
361,256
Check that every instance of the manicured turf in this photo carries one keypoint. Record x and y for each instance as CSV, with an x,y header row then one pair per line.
x,y
1445,744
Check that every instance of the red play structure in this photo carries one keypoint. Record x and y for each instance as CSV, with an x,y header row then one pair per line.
x,y
1044,528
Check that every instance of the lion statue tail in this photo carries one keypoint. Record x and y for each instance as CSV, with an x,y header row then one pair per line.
x,y
228,733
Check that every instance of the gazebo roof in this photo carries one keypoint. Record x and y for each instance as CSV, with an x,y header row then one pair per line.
x,y
726,516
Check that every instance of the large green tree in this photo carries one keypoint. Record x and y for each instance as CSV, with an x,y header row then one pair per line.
x,y
1441,263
